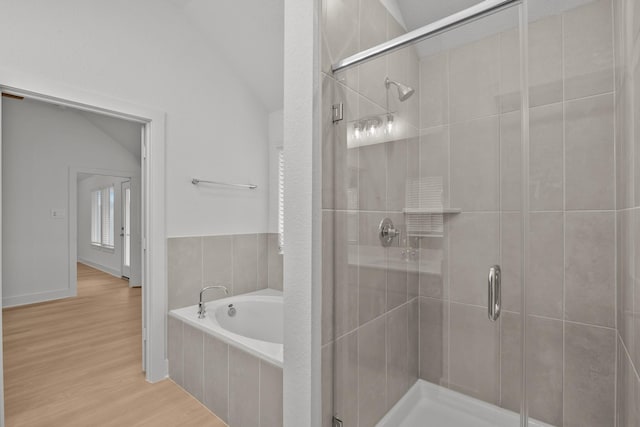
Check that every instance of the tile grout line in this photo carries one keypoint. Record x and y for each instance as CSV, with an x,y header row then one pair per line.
x,y
615,216
564,212
449,186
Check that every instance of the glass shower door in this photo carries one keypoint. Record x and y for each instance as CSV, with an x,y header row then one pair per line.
x,y
422,222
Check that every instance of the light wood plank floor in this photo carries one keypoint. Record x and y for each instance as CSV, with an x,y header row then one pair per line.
x,y
77,362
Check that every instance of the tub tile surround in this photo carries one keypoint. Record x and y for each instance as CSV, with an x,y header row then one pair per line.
x,y
574,182
627,105
241,389
242,262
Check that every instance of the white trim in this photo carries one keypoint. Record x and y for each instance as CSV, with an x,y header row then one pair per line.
x,y
302,390
154,271
37,297
102,268
1,344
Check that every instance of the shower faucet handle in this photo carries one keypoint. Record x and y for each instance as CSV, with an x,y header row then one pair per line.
x,y
387,232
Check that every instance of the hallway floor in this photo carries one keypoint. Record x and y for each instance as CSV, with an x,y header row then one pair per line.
x,y
77,362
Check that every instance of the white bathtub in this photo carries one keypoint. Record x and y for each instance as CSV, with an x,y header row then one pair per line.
x,y
256,328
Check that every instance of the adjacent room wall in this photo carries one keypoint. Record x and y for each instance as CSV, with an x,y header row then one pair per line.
x,y
109,261
41,142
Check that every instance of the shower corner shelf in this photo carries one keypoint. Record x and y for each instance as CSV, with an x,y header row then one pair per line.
x,y
425,211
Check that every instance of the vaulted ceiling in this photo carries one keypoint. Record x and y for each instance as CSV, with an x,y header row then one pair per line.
x,y
249,36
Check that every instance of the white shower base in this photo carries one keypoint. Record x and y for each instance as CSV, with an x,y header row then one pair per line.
x,y
429,405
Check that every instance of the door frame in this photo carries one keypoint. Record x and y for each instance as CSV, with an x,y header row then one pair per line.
x,y
132,177
154,245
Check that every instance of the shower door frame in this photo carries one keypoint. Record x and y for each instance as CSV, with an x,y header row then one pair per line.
x,y
460,19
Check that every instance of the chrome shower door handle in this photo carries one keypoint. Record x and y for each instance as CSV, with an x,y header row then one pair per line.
x,y
495,293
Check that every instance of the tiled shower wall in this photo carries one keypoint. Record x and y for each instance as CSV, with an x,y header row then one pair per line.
x,y
370,346
466,129
627,37
241,262
470,126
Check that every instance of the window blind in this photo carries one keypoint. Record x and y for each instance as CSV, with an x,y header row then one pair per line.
x,y
102,217
281,200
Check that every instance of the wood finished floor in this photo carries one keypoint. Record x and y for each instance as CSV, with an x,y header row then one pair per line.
x,y
77,362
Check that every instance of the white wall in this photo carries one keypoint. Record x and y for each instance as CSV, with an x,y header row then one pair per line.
x,y
109,261
147,53
41,143
302,211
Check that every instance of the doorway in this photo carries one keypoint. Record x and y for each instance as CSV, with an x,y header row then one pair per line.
x,y
153,239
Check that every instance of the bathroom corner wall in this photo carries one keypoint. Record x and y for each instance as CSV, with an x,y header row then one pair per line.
x,y
627,57
242,262
369,343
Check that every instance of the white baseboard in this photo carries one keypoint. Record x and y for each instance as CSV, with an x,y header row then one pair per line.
x,y
104,269
35,298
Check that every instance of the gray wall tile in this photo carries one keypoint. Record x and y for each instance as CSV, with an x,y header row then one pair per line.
x,y
396,154
184,265
510,97
275,263
511,361
510,262
588,51
545,293
545,61
397,354
262,262
345,243
217,264
546,184
372,402
174,350
589,371
474,73
434,90
244,393
245,266
474,351
590,267
589,153
434,340
372,188
346,377
475,165
544,369
270,395
510,161
474,240
193,363
434,164
216,377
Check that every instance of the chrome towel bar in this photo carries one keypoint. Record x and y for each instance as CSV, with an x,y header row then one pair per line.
x,y
196,181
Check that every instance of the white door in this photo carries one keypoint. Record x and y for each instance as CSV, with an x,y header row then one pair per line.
x,y
125,232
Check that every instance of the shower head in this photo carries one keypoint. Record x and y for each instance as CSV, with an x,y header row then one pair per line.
x,y
404,91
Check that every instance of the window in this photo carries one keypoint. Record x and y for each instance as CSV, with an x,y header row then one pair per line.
x,y
281,200
102,202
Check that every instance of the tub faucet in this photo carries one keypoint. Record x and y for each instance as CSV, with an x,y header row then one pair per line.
x,y
201,308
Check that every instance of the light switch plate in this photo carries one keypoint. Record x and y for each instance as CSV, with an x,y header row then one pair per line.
x,y
58,213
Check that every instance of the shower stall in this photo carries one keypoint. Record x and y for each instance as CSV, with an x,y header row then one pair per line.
x,y
479,213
